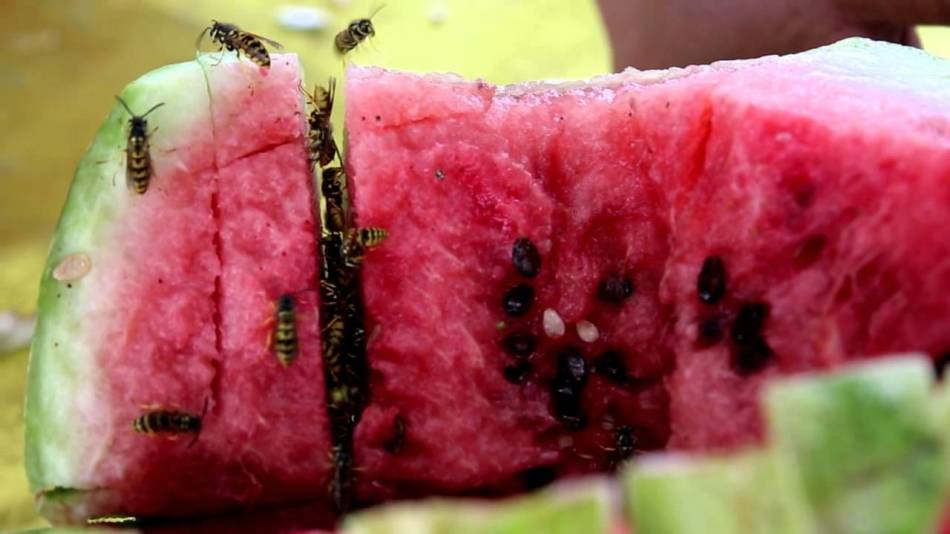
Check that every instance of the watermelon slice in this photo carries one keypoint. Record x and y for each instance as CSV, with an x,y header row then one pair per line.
x,y
769,216
574,274
175,309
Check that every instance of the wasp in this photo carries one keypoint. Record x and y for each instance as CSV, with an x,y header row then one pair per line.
x,y
360,239
332,185
333,341
341,482
234,39
285,331
170,422
138,162
112,520
355,33
322,145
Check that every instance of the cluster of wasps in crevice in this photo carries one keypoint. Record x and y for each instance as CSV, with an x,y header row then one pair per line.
x,y
343,334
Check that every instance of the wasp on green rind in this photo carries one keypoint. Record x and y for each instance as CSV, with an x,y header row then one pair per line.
x,y
234,39
285,331
355,33
170,422
126,520
320,136
138,161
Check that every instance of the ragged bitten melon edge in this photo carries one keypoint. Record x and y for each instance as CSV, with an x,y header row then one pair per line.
x,y
863,444
567,507
62,370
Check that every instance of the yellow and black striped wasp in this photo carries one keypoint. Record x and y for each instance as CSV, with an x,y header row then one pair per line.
x,y
234,39
322,145
171,422
355,33
138,161
332,186
285,331
360,239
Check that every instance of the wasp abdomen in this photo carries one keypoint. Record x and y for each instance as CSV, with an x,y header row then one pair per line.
x,y
285,331
167,422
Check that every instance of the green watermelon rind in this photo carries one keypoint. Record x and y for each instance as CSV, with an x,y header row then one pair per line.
x,y
863,444
743,492
578,506
62,369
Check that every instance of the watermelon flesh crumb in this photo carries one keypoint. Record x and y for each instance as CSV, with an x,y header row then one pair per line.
x,y
536,311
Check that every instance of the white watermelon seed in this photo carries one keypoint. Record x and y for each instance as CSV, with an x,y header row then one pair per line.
x,y
553,324
587,331
72,267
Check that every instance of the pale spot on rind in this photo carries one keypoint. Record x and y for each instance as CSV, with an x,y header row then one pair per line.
x,y
72,267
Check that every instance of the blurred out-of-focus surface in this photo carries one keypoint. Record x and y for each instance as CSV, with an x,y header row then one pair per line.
x,y
61,62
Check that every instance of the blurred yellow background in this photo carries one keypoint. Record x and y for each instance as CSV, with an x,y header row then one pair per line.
x,y
62,60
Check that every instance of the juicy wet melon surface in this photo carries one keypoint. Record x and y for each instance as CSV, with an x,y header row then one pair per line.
x,y
822,180
177,310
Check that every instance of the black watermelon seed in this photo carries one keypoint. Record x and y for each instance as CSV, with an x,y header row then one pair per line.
x,y
538,477
749,322
710,331
517,373
571,369
520,344
525,258
940,364
615,288
518,300
711,284
751,356
395,442
610,366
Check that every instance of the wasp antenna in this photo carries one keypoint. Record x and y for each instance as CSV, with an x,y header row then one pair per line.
x,y
126,106
203,32
376,10
156,106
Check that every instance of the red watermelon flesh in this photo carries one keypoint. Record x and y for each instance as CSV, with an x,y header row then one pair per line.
x,y
822,181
